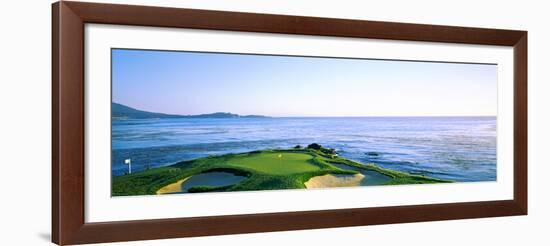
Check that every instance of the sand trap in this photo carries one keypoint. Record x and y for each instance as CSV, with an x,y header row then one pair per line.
x,y
172,188
334,180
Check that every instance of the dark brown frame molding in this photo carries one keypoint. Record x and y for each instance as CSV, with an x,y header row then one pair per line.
x,y
68,224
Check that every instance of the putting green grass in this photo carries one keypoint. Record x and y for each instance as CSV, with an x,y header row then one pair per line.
x,y
263,170
277,163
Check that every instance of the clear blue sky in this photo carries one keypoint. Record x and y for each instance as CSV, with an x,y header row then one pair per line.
x,y
198,83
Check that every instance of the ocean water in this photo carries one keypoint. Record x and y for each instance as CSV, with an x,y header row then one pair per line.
x,y
452,148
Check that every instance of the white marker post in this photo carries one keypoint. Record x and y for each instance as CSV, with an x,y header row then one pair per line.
x,y
129,163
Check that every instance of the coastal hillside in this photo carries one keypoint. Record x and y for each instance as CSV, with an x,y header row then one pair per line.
x,y
121,111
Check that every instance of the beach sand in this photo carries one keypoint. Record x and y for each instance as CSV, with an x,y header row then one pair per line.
x,y
172,188
334,180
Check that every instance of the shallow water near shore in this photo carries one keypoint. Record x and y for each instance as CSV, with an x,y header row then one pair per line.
x,y
212,179
451,148
371,177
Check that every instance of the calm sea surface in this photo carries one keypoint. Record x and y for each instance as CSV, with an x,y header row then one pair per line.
x,y
453,148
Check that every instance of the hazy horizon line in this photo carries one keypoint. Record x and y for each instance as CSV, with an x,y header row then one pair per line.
x,y
377,116
308,116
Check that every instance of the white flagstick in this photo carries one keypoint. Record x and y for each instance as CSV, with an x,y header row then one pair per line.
x,y
129,163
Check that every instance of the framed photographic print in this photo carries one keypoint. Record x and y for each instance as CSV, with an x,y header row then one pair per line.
x,y
176,122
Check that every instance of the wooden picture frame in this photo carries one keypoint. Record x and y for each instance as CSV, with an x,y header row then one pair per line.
x,y
68,117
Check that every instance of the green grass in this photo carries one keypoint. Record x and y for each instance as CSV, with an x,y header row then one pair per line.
x,y
404,178
265,170
276,163
397,177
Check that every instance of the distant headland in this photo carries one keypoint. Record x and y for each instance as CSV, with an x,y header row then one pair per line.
x,y
119,111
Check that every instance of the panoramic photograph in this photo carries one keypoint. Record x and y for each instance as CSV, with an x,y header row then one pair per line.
x,y
194,122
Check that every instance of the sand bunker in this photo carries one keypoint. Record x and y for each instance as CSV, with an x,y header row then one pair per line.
x,y
335,180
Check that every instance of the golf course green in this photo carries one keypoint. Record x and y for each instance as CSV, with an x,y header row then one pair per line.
x,y
261,170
